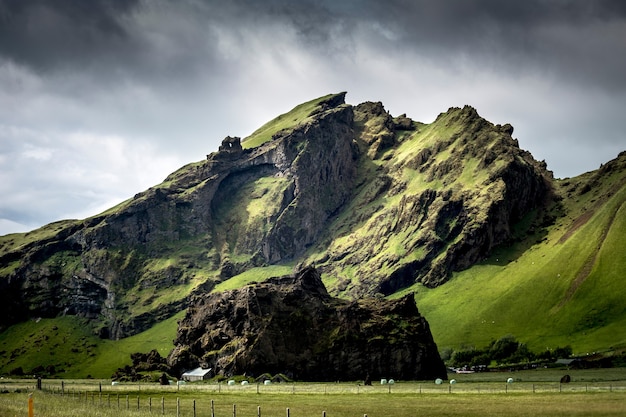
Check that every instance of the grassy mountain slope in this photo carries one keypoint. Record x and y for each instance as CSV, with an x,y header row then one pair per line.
x,y
66,347
296,116
562,288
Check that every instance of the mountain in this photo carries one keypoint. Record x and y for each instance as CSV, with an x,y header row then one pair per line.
x,y
453,211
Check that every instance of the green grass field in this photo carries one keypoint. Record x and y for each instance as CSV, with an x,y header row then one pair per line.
x,y
372,405
534,393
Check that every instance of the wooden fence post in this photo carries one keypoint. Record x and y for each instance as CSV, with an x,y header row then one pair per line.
x,y
163,405
212,409
258,411
287,411
177,406
194,408
234,410
31,406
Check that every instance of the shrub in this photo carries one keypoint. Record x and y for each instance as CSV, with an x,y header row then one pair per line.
x,y
503,348
17,371
466,357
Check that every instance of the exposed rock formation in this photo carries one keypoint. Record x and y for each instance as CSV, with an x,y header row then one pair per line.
x,y
292,325
231,145
435,208
141,363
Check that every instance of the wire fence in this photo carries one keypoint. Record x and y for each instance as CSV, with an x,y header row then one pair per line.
x,y
194,400
78,387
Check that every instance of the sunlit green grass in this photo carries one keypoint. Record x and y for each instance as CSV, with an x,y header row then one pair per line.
x,y
114,354
15,241
63,342
296,116
258,274
579,404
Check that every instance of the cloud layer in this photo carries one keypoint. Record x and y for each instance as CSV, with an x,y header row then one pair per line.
x,y
102,99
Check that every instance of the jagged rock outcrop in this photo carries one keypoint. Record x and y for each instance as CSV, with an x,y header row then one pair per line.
x,y
435,208
230,145
292,325
143,363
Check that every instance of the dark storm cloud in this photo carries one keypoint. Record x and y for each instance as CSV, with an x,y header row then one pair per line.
x,y
110,41
49,34
100,99
582,41
577,41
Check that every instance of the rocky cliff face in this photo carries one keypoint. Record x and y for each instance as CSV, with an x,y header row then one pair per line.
x,y
292,325
434,199
238,209
376,202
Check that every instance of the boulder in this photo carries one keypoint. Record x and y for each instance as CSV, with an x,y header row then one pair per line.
x,y
292,325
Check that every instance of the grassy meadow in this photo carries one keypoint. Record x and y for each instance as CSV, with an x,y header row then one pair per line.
x,y
591,393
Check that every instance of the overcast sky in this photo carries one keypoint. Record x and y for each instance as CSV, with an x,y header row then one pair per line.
x,y
102,99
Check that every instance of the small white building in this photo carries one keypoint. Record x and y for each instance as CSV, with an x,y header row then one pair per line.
x,y
198,374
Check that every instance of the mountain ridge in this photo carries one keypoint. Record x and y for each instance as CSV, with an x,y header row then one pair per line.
x,y
379,204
